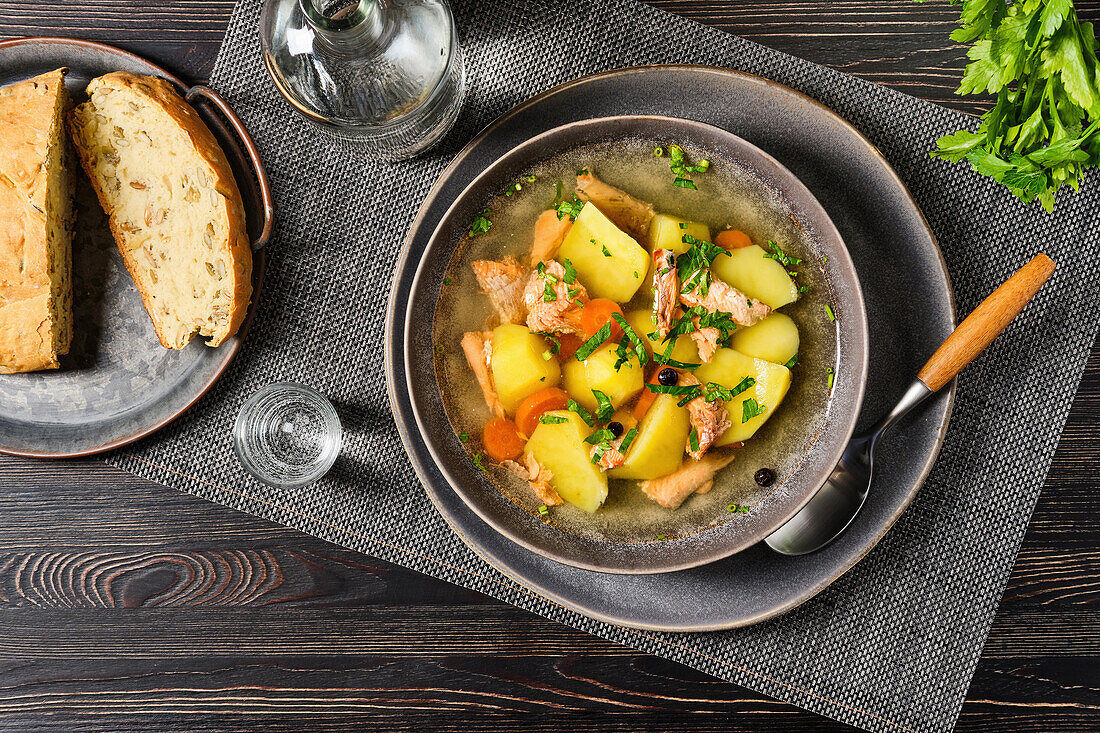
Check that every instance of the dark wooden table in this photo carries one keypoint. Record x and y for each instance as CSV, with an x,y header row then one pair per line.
x,y
128,606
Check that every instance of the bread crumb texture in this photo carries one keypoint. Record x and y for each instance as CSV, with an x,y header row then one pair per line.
x,y
173,205
35,225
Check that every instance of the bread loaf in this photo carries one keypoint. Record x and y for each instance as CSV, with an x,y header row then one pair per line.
x,y
35,225
174,208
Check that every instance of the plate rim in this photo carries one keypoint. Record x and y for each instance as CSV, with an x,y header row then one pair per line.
x,y
258,262
860,337
408,440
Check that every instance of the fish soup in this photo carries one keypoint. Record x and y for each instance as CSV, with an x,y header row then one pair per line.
x,y
624,339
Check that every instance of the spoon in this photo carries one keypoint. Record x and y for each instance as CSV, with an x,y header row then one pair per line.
x,y
835,505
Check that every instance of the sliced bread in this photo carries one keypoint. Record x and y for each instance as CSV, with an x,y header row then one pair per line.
x,y
173,205
35,225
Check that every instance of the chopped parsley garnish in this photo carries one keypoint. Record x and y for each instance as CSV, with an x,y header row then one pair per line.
x,y
628,439
530,178
677,163
597,340
750,408
605,250
514,187
480,464
547,356
636,275
600,436
544,510
549,295
604,408
693,439
803,288
447,281
745,384
662,536
570,208
481,224
829,311
782,257
831,376
693,265
658,151
713,391
598,452
585,415
791,362
824,259
573,293
735,508
549,419
677,389
583,172
684,225
555,344
464,437
635,340
570,271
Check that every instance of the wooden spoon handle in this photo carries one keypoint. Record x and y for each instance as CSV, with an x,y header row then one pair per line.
x,y
986,323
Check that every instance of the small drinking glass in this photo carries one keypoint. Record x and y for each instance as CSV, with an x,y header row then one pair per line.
x,y
287,435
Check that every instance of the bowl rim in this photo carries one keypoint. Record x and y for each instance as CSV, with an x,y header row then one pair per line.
x,y
794,194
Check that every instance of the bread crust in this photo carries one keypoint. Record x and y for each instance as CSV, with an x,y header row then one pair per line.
x,y
164,96
30,338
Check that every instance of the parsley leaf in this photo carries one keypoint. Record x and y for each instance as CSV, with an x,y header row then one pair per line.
x,y
628,439
750,408
1040,61
594,343
549,419
604,408
570,208
480,224
585,415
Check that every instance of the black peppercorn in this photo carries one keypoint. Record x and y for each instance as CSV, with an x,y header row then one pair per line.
x,y
765,476
668,377
615,427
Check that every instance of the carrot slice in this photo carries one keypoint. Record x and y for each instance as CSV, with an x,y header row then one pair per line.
x,y
645,398
502,440
570,342
732,239
596,313
537,405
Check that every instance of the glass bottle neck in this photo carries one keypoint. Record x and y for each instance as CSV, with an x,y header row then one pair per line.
x,y
346,24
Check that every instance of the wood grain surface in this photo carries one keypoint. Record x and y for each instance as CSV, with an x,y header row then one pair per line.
x,y
127,606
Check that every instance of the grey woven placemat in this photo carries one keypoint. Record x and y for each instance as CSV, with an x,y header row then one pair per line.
x,y
864,651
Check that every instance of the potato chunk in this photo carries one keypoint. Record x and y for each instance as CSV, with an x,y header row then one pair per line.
x,y
598,372
729,368
608,260
560,447
757,276
520,364
774,339
666,232
642,322
658,448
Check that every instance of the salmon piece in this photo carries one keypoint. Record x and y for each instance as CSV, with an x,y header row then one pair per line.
x,y
561,315
550,232
692,477
538,476
706,340
724,298
611,458
478,348
626,212
709,419
503,282
666,290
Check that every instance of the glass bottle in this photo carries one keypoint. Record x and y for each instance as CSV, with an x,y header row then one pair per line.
x,y
384,76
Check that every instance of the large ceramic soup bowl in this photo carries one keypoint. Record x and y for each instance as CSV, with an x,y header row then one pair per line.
x,y
789,416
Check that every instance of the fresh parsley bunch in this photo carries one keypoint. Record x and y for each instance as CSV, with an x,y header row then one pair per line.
x,y
1040,61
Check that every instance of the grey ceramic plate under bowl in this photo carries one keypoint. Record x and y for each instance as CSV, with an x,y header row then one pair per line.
x,y
117,383
745,187
898,263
